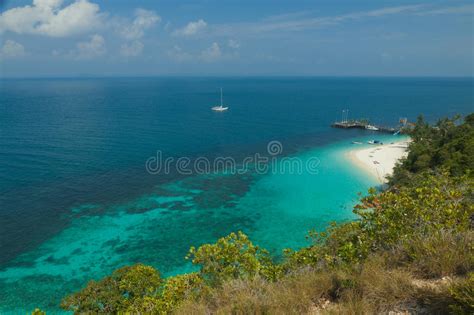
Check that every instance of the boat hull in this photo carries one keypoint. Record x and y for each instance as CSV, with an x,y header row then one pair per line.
x,y
219,108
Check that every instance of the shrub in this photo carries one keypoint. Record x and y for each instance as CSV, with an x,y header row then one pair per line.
x,y
389,218
172,293
232,257
437,202
116,292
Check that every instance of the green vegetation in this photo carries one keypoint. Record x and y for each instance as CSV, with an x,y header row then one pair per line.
x,y
448,145
233,257
116,292
411,250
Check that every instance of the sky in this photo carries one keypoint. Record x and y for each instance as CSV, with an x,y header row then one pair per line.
x,y
69,38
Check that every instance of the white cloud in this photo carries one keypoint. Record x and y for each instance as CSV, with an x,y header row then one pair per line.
x,y
299,22
91,49
211,53
134,31
465,9
132,49
11,49
178,54
232,43
192,28
144,19
46,17
385,11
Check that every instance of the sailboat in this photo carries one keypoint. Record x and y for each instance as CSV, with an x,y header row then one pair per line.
x,y
221,107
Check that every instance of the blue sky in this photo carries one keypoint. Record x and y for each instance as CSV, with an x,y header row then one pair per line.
x,y
325,38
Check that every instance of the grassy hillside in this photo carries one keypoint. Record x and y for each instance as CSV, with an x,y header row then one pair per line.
x,y
410,250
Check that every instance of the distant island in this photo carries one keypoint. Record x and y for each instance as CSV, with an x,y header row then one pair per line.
x,y
409,251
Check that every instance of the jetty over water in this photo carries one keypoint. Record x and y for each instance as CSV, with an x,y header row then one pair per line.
x,y
363,125
347,123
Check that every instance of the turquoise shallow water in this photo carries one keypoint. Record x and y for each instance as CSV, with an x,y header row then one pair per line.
x,y
76,201
276,211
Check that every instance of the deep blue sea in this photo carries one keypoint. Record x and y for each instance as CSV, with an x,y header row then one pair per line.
x,y
77,202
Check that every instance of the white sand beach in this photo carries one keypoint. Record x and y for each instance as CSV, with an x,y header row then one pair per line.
x,y
379,160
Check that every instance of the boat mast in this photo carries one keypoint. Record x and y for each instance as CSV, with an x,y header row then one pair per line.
x,y
221,97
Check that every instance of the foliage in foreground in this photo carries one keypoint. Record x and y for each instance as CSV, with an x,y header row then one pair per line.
x,y
393,218
410,250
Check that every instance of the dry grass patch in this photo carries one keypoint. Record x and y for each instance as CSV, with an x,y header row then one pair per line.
x,y
294,294
369,288
444,253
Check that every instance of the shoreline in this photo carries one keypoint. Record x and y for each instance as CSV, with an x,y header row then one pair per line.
x,y
379,160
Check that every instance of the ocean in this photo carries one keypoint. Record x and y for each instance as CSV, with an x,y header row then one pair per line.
x,y
78,201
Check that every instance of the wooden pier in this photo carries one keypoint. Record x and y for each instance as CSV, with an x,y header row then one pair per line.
x,y
363,125
346,123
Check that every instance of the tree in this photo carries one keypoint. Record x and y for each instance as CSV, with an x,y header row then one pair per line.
x,y
232,257
448,145
116,292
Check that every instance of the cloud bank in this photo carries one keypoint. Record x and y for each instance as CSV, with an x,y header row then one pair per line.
x,y
49,18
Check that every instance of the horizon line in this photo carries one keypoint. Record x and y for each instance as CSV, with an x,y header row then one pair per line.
x,y
124,76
